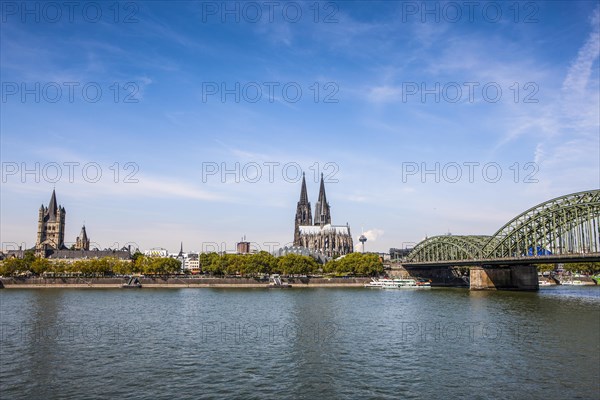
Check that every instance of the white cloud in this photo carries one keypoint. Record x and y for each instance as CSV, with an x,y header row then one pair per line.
x,y
373,234
579,74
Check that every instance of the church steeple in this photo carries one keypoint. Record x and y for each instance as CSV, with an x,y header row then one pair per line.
x,y
52,207
303,193
82,242
83,234
303,212
322,211
51,227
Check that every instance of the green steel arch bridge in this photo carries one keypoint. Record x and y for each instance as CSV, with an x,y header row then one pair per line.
x,y
564,229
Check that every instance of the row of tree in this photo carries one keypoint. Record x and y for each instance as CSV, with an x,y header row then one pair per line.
x,y
290,264
90,267
261,263
581,267
257,264
355,264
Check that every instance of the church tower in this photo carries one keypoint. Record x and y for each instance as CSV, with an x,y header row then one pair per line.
x,y
51,227
322,211
303,213
82,242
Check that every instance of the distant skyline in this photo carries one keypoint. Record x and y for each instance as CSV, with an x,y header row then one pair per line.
x,y
160,123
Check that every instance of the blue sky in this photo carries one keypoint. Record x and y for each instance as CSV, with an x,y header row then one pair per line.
x,y
183,91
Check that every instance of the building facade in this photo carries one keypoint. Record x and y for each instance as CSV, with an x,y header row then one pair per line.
x,y
320,236
51,227
50,242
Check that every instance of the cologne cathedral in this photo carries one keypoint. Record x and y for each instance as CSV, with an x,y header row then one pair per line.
x,y
320,236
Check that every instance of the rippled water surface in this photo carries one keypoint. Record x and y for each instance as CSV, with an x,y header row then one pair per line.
x,y
300,343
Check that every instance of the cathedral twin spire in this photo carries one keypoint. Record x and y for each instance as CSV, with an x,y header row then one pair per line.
x,y
322,209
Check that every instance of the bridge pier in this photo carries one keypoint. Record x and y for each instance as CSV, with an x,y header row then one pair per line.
x,y
514,277
439,276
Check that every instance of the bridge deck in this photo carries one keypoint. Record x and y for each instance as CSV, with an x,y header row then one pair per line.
x,y
550,259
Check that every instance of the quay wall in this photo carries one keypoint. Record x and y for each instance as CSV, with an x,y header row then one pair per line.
x,y
174,282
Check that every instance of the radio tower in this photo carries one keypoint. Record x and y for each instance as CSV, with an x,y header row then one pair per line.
x,y
362,239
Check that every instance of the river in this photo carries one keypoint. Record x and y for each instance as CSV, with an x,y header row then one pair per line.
x,y
320,343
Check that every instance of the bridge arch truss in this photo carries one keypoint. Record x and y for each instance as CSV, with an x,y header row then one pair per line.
x,y
448,248
566,225
562,226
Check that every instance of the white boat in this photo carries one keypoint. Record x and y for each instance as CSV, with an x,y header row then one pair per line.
x,y
377,283
575,282
544,283
397,283
422,283
401,283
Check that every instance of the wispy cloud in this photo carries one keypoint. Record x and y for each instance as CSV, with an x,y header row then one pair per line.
x,y
578,77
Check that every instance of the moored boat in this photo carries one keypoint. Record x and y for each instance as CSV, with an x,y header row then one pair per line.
x,y
398,283
376,283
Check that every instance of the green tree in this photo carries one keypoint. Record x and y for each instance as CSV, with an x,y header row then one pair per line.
x,y
370,265
28,258
294,264
142,264
211,263
12,266
261,263
232,264
41,265
545,267
355,264
135,255
169,265
122,267
583,267
330,267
